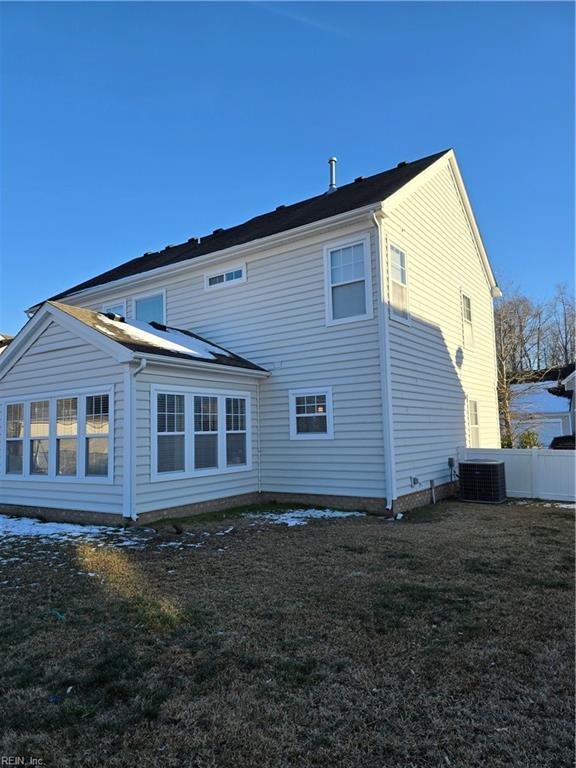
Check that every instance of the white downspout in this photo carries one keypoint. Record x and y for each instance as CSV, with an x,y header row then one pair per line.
x,y
385,367
129,510
258,439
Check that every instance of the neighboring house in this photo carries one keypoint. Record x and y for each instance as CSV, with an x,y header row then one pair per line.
x,y
350,353
543,404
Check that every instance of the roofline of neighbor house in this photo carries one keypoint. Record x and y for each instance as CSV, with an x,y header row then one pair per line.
x,y
286,236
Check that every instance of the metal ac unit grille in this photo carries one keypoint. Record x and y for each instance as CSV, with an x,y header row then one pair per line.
x,y
483,481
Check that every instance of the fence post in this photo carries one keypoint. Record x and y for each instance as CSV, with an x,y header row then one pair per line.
x,y
534,465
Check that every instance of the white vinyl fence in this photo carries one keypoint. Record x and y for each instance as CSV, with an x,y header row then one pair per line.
x,y
535,473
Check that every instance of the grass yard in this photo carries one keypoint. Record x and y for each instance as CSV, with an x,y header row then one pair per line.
x,y
445,639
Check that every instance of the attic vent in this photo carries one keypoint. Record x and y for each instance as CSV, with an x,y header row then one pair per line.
x,y
193,240
358,178
402,164
279,207
217,231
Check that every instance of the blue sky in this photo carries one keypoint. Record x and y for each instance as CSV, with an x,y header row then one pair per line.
x,y
128,126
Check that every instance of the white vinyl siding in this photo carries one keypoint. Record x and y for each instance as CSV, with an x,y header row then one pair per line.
x,y
280,323
432,374
60,367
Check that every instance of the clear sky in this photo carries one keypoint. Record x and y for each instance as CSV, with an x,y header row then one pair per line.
x,y
128,126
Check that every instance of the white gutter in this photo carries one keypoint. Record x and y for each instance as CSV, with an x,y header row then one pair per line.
x,y
385,367
235,251
175,362
129,463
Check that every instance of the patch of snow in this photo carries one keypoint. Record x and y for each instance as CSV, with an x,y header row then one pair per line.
x,y
223,533
294,517
171,339
535,398
17,528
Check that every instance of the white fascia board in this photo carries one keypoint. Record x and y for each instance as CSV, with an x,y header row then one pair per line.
x,y
236,251
174,362
449,159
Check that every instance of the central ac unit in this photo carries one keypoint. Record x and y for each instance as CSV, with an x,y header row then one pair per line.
x,y
483,481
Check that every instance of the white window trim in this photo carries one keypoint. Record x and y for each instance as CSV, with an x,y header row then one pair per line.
x,y
465,322
222,271
469,420
333,246
81,435
189,471
122,302
392,313
329,434
149,295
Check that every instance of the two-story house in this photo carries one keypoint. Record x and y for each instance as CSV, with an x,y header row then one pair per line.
x,y
336,351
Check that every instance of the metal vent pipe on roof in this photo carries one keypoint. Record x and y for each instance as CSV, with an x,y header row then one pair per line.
x,y
332,163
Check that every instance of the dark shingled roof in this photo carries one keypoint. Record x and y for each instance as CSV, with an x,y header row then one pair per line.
x,y
556,374
121,331
363,191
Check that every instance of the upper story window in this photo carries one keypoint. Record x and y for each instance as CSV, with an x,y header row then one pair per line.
x,y
348,282
467,321
398,285
231,276
311,414
474,423
150,308
59,438
115,309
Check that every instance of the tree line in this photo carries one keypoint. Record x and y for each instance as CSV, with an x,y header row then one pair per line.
x,y
530,337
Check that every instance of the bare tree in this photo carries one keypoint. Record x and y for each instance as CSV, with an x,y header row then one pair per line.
x,y
531,338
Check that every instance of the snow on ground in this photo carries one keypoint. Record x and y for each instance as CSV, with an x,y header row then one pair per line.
x,y
24,527
547,504
301,516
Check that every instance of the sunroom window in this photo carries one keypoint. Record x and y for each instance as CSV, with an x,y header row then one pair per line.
x,y
39,437
171,420
14,438
66,436
97,430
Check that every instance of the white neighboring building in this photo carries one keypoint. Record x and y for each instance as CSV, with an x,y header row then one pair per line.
x,y
542,408
351,353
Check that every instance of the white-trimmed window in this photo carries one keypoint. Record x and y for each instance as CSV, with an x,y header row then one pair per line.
x,y
150,308
311,415
39,437
231,276
97,432
171,431
474,423
348,282
398,285
67,436
467,321
199,432
115,309
64,437
14,438
205,432
235,431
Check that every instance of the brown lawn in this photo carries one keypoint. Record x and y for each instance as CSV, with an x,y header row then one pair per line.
x,y
442,640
